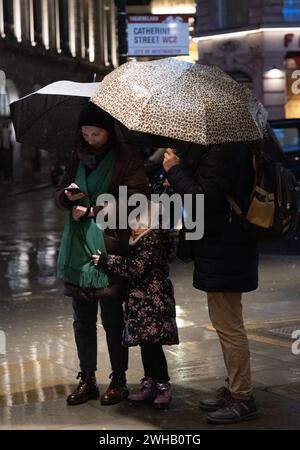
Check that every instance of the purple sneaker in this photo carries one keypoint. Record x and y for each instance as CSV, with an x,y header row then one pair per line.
x,y
163,397
147,392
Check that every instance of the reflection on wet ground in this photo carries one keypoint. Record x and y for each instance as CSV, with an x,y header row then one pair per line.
x,y
38,369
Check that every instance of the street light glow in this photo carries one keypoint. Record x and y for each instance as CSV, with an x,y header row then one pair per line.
x,y
240,34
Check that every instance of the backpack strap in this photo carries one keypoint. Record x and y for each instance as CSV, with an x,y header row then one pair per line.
x,y
232,203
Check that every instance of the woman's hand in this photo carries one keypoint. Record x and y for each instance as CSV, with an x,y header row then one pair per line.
x,y
96,258
71,196
170,159
166,183
78,212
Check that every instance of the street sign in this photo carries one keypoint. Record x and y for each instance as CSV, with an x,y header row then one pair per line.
x,y
158,35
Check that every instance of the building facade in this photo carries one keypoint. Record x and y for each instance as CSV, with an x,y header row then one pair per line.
x,y
42,41
70,39
258,43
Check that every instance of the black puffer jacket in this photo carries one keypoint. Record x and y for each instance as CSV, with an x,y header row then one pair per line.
x,y
226,258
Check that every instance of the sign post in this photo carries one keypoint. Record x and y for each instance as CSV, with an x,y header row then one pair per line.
x,y
158,35
122,31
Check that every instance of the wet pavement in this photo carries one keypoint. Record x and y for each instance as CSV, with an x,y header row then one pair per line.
x,y
40,364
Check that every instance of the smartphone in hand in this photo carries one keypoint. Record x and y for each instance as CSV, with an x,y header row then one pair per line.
x,y
73,193
74,190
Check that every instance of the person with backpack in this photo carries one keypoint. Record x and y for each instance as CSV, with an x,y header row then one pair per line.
x,y
225,263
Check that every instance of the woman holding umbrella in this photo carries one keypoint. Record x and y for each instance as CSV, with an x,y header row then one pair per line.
x,y
98,165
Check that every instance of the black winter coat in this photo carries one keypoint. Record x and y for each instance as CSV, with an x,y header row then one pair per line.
x,y
226,258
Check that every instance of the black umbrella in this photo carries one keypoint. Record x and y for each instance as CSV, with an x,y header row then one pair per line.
x,y
48,118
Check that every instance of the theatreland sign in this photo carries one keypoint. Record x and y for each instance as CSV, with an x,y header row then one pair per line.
x,y
158,35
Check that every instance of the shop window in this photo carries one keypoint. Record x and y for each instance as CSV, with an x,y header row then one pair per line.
x,y
229,13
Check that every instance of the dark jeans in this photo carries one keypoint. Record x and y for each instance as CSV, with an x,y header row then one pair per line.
x,y
154,362
85,331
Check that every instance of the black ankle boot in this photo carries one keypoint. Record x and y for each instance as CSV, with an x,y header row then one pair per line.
x,y
117,390
87,389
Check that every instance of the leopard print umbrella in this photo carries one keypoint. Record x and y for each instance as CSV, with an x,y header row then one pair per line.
x,y
180,100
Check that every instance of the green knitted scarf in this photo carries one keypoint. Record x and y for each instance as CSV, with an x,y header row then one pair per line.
x,y
82,239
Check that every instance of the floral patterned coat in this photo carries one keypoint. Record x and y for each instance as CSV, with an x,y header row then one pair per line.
x,y
149,303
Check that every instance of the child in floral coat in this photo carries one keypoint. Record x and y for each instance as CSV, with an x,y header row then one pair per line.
x,y
149,308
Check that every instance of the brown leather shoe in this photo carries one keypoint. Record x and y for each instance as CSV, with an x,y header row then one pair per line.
x,y
87,389
116,391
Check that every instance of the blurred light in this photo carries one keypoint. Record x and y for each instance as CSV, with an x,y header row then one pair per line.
x,y
45,24
178,7
91,32
113,35
31,23
239,34
72,29
291,10
57,26
2,82
82,31
273,84
105,37
12,91
6,384
2,33
274,73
